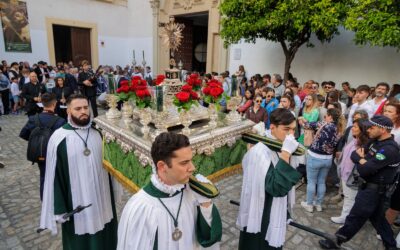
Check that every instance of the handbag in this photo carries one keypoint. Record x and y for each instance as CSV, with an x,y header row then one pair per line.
x,y
308,137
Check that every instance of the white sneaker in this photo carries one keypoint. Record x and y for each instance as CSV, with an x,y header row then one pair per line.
x,y
319,208
338,220
378,237
308,208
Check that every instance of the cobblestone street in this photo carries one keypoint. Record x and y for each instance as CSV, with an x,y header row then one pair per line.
x,y
20,204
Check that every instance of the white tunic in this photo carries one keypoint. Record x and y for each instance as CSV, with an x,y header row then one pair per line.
x,y
144,216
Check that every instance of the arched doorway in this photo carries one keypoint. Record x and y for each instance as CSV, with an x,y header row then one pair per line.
x,y
204,16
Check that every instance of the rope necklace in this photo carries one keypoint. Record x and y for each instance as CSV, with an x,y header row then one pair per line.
x,y
86,151
177,234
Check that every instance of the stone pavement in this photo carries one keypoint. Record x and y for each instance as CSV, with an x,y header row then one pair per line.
x,y
20,204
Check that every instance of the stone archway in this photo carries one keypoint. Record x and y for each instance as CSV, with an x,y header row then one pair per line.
x,y
217,55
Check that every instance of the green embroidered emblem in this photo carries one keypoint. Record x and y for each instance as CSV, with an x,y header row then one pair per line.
x,y
380,156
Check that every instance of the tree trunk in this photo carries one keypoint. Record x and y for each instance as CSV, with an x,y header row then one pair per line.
x,y
288,62
291,50
289,56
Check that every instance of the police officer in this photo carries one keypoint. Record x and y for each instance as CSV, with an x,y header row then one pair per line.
x,y
376,164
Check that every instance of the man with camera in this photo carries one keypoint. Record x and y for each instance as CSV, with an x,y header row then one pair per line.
x,y
87,83
376,164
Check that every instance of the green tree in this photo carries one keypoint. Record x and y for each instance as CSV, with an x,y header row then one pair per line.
x,y
375,22
288,22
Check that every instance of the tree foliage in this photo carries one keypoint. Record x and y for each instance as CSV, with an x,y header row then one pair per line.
x,y
288,22
375,22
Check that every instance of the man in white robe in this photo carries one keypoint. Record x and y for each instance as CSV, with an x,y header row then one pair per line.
x,y
267,191
75,177
167,213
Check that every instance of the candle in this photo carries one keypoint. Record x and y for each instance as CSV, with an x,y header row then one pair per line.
x,y
133,54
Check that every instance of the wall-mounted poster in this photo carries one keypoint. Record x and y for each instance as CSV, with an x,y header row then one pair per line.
x,y
15,24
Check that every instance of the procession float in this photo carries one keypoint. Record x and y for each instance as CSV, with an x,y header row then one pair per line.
x,y
218,140
171,105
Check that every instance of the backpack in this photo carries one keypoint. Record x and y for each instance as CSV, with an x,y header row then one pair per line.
x,y
38,139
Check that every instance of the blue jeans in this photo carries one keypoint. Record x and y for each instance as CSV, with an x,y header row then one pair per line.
x,y
317,170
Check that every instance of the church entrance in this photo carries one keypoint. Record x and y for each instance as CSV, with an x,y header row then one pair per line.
x,y
193,51
71,44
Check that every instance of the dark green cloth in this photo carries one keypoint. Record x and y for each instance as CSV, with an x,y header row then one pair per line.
x,y
278,182
105,239
130,167
206,235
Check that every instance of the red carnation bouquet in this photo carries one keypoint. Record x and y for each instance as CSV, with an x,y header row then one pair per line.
x,y
125,92
160,79
186,98
135,90
213,92
142,93
194,81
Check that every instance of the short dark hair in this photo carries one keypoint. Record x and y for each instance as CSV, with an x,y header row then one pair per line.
x,y
14,63
346,83
281,116
268,89
330,83
362,113
165,144
384,84
48,99
267,76
363,88
75,96
294,83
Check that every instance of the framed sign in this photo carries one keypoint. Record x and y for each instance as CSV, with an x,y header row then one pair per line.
x,y
15,25
237,54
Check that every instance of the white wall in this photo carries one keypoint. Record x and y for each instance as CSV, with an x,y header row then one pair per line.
x,y
121,28
119,51
338,61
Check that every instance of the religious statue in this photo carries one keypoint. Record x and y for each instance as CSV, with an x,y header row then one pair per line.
x,y
171,35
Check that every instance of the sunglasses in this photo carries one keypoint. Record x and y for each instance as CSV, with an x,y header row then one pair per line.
x,y
327,87
270,96
258,101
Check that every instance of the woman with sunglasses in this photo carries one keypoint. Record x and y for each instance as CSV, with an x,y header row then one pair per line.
x,y
256,113
269,103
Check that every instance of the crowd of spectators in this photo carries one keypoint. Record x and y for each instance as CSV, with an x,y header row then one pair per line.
x,y
330,118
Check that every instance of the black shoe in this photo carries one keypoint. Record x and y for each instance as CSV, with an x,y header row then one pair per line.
x,y
328,244
2,165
